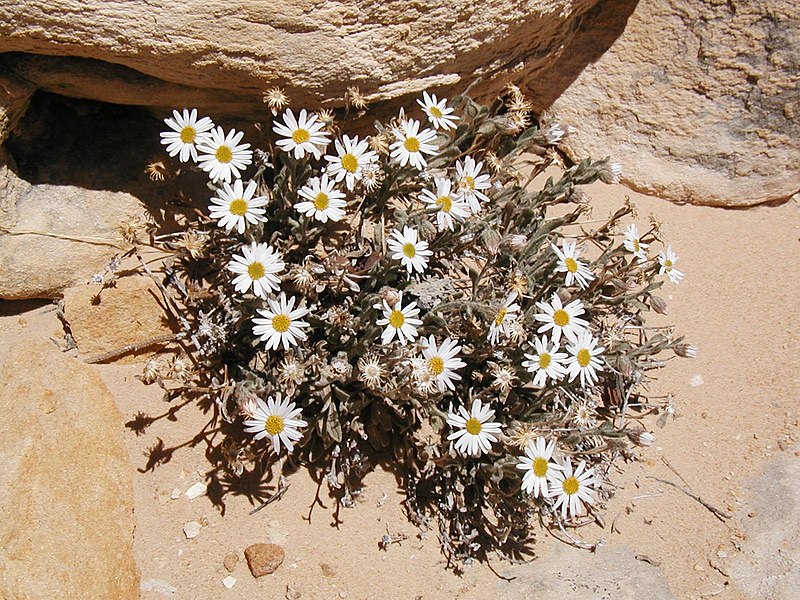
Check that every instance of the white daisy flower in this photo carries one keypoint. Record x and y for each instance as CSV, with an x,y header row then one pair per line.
x,y
412,252
281,323
276,419
442,361
186,133
503,319
572,489
633,244
411,144
548,362
323,200
350,161
450,207
303,135
561,319
257,267
471,182
584,358
234,206
438,113
667,261
537,466
222,156
568,263
474,431
400,321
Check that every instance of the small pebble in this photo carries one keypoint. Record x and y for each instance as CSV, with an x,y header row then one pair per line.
x,y
176,493
230,561
229,582
191,529
197,490
696,381
263,559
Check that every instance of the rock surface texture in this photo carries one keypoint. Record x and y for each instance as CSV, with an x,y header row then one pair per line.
x,y
222,55
53,236
566,572
769,565
65,482
699,101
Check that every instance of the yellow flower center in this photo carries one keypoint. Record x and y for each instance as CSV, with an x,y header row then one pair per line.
x,y
668,264
256,270
280,323
396,319
238,207
571,263
411,144
224,154
321,202
273,425
561,317
636,245
584,357
539,467
409,250
473,426
570,486
445,203
501,314
300,136
544,360
469,182
435,112
436,365
350,163
188,134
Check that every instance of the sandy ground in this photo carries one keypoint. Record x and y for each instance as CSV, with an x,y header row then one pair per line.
x,y
736,407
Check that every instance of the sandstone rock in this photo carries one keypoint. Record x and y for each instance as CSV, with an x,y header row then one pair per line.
x,y
129,313
15,93
769,565
222,56
263,559
567,572
230,561
54,236
700,101
65,483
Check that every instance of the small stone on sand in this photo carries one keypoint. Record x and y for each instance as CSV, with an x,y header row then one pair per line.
x,y
229,582
197,490
191,529
263,559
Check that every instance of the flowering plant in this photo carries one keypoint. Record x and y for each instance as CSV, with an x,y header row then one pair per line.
x,y
407,298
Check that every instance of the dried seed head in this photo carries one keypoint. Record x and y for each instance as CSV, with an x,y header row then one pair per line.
x,y
380,142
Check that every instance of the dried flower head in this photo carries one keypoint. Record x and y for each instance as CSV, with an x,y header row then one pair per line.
x,y
157,170
353,97
276,99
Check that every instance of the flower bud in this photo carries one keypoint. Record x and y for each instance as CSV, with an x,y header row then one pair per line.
x,y
658,305
390,295
686,351
643,438
611,173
